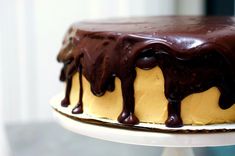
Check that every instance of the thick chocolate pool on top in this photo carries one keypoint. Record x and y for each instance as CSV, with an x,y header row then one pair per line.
x,y
194,54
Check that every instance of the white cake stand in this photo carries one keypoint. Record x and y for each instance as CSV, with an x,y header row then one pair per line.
x,y
175,144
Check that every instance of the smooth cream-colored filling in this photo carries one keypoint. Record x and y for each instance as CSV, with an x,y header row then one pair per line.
x,y
151,103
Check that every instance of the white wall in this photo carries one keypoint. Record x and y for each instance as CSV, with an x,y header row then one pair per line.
x,y
31,32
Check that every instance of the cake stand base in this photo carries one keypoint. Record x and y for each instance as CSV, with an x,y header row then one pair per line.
x,y
177,151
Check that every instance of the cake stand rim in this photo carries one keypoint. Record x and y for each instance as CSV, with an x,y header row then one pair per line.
x,y
145,138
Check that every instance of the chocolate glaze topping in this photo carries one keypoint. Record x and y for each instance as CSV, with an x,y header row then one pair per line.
x,y
194,54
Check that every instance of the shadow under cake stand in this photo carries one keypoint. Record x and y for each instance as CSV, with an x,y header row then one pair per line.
x,y
177,144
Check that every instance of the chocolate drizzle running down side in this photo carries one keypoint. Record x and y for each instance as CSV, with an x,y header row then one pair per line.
x,y
78,108
194,54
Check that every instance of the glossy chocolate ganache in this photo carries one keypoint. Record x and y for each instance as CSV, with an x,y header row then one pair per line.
x,y
194,54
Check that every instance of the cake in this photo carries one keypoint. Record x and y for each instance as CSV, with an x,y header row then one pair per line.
x,y
168,70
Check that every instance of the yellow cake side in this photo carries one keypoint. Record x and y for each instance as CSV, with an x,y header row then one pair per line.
x,y
151,103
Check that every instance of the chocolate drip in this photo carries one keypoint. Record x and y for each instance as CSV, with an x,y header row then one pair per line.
x,y
78,109
66,101
63,77
127,84
174,118
67,72
111,83
194,54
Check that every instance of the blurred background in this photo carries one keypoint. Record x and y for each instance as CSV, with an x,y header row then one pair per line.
x,y
31,33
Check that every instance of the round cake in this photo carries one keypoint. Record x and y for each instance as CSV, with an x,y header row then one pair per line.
x,y
169,70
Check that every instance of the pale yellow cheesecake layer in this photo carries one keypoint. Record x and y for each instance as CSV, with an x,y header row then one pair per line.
x,y
151,103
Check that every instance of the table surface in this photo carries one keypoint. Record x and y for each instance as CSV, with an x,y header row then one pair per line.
x,y
49,139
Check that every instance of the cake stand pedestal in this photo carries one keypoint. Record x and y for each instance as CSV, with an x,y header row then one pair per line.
x,y
175,144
